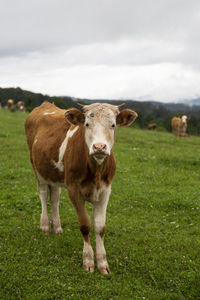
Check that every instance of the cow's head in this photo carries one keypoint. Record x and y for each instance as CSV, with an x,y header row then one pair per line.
x,y
100,121
184,119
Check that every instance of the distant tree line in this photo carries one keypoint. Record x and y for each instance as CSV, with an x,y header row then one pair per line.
x,y
32,100
148,111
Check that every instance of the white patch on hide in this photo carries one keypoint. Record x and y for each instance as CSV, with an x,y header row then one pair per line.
x,y
49,113
59,165
99,194
99,160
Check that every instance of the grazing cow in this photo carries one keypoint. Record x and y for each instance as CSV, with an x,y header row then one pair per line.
x,y
20,106
9,104
179,125
152,126
73,149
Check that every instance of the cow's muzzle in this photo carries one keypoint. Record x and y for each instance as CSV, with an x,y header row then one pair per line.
x,y
99,150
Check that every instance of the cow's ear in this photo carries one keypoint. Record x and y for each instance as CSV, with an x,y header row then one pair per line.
x,y
126,117
75,116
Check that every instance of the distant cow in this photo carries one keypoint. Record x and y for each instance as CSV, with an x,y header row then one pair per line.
x,y
179,125
20,106
73,149
152,126
9,104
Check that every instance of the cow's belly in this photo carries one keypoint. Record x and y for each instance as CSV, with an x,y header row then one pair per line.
x,y
44,158
50,181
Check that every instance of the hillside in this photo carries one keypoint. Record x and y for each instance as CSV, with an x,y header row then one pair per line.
x,y
148,111
152,224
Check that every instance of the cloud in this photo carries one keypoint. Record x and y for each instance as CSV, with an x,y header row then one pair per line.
x,y
102,48
162,82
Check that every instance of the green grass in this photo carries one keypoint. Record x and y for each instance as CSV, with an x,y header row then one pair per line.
x,y
153,223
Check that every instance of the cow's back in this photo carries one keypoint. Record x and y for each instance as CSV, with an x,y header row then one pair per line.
x,y
46,128
47,118
176,122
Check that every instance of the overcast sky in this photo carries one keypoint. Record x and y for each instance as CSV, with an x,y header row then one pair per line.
x,y
111,49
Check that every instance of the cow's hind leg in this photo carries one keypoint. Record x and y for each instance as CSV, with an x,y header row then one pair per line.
x,y
44,219
99,225
55,196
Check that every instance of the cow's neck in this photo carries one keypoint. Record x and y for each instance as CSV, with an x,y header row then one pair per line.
x,y
95,166
97,170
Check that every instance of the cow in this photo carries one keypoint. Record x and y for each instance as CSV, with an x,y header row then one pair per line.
x,y
179,125
152,126
73,149
9,104
20,106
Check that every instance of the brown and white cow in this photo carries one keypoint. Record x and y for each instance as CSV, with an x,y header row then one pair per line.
x,y
20,106
73,149
9,104
179,125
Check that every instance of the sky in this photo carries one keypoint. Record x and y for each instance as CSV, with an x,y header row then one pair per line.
x,y
102,49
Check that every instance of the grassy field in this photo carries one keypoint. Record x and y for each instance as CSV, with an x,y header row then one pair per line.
x,y
153,223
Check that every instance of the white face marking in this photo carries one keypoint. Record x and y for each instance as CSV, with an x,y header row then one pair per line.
x,y
62,149
100,122
49,113
184,119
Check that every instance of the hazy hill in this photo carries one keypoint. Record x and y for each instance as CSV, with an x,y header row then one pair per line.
x,y
148,111
195,101
155,108
144,107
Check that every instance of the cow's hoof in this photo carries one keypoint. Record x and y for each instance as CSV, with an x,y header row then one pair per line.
x,y
58,230
44,229
89,266
104,269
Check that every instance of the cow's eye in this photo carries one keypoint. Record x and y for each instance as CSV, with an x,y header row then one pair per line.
x,y
86,124
113,125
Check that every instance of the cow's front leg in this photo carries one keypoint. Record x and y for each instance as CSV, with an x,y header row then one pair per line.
x,y
85,227
99,225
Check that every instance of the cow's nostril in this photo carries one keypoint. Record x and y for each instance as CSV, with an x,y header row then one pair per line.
x,y
99,147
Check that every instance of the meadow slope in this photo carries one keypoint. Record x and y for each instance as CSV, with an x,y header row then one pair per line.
x,y
152,234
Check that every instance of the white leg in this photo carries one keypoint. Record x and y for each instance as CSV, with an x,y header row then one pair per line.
x,y
88,256
99,225
55,196
44,219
